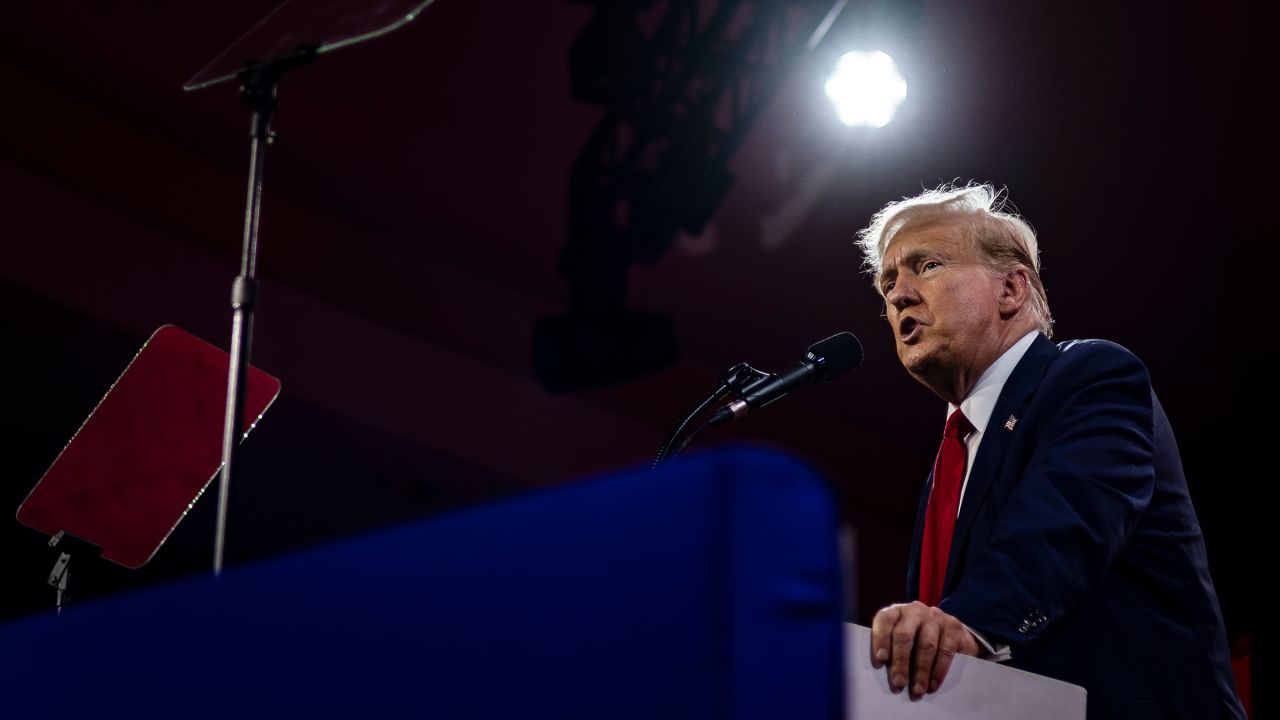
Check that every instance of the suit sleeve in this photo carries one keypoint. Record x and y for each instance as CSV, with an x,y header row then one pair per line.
x,y
1088,481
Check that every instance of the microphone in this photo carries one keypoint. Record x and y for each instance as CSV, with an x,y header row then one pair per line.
x,y
825,361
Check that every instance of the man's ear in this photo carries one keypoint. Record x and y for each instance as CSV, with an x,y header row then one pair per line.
x,y
1015,292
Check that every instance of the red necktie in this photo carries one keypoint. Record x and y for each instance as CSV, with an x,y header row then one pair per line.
x,y
944,504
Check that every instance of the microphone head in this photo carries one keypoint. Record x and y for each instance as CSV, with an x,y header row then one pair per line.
x,y
833,356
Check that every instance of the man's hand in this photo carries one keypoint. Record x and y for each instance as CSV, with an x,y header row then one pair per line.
x,y
918,642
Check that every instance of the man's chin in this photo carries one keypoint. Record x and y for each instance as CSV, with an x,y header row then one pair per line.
x,y
921,364
916,359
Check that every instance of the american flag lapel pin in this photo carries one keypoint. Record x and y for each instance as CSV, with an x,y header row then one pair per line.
x,y
1010,423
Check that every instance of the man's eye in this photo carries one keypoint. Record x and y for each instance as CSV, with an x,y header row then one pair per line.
x,y
887,287
930,265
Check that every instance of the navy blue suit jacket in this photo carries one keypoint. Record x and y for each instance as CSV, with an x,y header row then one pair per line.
x,y
1077,544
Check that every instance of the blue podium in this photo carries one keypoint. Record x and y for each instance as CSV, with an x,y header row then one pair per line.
x,y
710,589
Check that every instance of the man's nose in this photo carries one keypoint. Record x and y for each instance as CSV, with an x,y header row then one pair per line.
x,y
903,294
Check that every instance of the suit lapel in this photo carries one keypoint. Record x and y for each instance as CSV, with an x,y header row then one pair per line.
x,y
997,436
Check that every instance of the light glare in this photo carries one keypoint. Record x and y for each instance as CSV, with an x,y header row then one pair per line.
x,y
866,89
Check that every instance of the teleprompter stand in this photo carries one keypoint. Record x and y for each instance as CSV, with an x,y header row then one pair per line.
x,y
293,35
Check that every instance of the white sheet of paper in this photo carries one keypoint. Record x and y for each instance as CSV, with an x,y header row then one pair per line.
x,y
974,689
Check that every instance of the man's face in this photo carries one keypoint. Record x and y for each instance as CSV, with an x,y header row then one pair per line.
x,y
942,305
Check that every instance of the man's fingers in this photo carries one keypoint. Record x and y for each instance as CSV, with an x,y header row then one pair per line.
x,y
918,644
881,627
903,638
956,640
950,643
926,649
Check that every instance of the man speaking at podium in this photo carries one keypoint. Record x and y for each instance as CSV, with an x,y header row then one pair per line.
x,y
1055,531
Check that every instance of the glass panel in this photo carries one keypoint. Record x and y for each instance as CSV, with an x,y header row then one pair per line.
x,y
148,450
325,24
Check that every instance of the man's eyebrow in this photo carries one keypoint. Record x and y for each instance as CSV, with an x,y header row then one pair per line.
x,y
910,259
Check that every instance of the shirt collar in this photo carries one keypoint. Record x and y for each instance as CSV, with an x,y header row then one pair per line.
x,y
981,401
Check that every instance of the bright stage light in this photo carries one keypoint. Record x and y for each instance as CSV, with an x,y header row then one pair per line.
x,y
866,89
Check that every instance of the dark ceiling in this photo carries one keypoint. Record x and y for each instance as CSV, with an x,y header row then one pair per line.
x,y
417,202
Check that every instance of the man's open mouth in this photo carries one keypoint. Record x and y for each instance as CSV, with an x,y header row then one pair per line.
x,y
908,329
